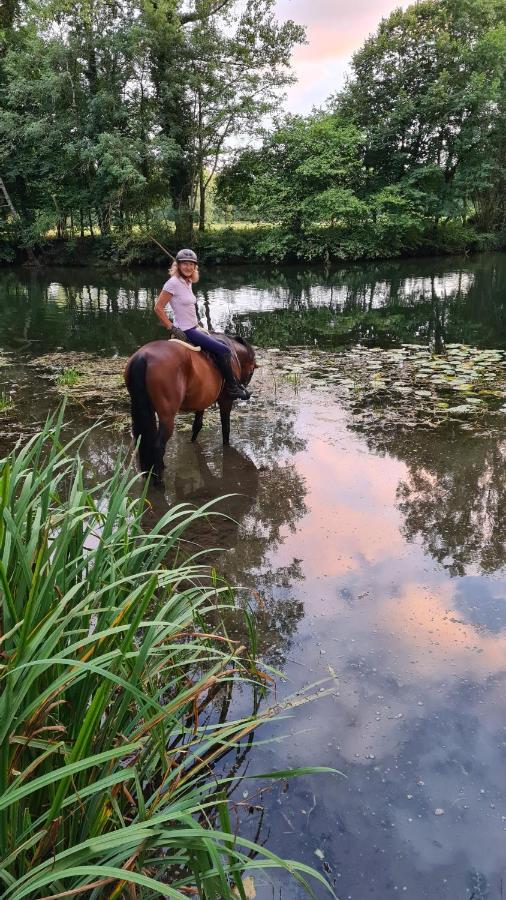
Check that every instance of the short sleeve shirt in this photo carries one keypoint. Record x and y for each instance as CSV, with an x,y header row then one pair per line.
x,y
182,302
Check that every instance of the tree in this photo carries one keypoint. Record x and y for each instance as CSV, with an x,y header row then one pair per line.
x,y
236,80
216,73
428,90
111,109
307,171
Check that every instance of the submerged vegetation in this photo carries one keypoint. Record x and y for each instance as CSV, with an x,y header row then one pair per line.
x,y
6,401
111,683
408,386
68,378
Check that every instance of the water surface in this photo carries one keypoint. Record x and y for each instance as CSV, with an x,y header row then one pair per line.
x,y
385,302
377,563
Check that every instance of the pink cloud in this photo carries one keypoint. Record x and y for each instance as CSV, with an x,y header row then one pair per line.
x,y
335,30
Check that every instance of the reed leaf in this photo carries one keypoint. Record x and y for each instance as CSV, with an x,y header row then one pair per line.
x,y
109,667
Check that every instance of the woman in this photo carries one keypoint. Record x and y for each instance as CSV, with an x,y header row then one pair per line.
x,y
177,292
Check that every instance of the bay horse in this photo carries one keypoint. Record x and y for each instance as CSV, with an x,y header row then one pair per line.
x,y
168,376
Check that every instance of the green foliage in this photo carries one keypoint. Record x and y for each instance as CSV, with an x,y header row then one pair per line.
x,y
5,401
68,378
305,172
113,121
110,666
429,91
111,112
405,157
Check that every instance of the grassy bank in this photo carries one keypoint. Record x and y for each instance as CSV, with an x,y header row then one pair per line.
x,y
243,244
114,668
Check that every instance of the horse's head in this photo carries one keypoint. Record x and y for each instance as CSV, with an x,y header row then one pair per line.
x,y
246,356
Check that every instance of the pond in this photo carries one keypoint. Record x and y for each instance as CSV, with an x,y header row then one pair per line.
x,y
374,559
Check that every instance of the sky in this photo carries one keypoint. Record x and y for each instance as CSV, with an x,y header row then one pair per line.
x,y
334,29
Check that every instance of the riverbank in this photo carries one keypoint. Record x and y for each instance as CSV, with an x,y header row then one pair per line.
x,y
261,243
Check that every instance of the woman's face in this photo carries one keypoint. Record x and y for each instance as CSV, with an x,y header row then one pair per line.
x,y
186,268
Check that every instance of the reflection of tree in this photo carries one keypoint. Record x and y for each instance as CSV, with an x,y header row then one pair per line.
x,y
454,496
269,500
389,301
458,505
430,301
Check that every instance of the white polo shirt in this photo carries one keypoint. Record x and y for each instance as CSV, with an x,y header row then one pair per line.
x,y
182,302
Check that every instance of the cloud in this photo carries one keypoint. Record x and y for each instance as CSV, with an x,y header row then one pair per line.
x,y
335,30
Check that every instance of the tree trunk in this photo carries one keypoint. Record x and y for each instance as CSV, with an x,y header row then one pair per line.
x,y
184,223
202,201
81,221
202,187
32,259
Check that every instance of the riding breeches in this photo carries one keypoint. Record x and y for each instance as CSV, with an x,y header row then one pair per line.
x,y
204,340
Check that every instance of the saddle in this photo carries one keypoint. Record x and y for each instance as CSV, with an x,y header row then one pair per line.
x,y
185,344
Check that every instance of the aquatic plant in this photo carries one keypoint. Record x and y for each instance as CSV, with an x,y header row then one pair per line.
x,y
108,677
68,378
409,386
6,401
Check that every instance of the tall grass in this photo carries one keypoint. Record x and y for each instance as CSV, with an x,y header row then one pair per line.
x,y
107,677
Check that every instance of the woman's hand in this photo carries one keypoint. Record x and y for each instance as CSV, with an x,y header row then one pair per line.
x,y
177,333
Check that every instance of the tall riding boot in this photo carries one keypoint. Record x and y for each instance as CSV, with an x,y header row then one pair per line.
x,y
235,389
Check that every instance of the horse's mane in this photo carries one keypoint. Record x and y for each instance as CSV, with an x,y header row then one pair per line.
x,y
241,340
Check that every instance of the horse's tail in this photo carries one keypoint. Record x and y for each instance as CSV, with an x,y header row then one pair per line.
x,y
143,415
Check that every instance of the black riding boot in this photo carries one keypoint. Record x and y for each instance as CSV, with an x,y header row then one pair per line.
x,y
235,389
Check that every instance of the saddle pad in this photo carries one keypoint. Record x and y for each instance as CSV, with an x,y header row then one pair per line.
x,y
184,344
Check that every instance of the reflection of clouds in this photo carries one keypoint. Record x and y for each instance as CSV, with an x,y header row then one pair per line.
x,y
482,603
429,629
352,519
419,723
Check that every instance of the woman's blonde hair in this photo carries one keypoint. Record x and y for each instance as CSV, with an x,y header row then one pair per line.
x,y
174,270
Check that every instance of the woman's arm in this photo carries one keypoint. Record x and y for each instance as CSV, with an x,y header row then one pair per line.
x,y
164,297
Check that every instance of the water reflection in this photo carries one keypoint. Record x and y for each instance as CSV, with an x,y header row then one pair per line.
x,y
453,495
460,299
266,499
387,304
416,650
376,559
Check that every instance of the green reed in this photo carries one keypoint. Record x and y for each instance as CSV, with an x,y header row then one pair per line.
x,y
107,680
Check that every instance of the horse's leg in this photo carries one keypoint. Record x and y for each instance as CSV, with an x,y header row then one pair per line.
x,y
197,425
165,429
166,416
225,404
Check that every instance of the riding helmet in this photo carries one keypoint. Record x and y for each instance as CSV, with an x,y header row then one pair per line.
x,y
186,256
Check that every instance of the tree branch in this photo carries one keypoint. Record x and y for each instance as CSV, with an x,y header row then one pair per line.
x,y
200,16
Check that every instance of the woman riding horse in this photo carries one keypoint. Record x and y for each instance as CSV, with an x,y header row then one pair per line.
x,y
177,292
165,377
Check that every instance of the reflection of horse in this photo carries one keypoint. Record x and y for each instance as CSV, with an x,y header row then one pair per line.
x,y
164,377
197,484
